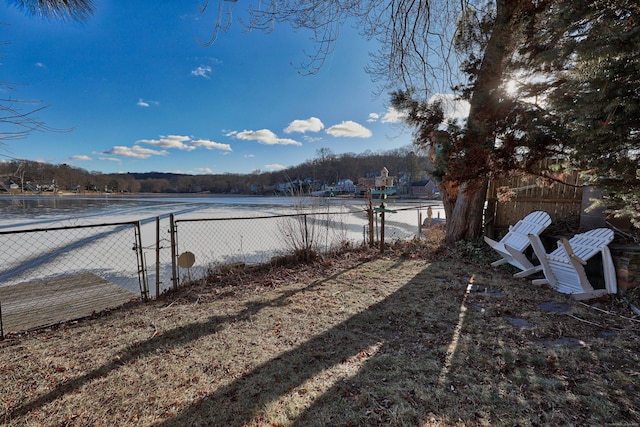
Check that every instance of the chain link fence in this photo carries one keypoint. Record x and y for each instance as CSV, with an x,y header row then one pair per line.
x,y
218,242
157,254
52,275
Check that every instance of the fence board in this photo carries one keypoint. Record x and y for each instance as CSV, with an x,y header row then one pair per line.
x,y
510,199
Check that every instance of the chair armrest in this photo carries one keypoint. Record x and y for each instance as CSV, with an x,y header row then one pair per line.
x,y
528,272
577,258
490,242
569,250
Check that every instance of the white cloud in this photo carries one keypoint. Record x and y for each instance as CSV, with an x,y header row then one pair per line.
x,y
453,108
312,138
264,136
206,171
249,156
312,124
274,167
210,145
392,116
80,157
136,152
109,159
373,117
145,103
40,65
202,71
171,141
185,143
349,129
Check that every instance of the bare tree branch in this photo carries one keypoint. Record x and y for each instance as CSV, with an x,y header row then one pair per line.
x,y
76,10
416,36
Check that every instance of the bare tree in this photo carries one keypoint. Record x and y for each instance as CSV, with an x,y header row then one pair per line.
x,y
427,47
18,117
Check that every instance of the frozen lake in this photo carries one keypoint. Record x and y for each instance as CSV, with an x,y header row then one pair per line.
x,y
31,212
34,256
47,211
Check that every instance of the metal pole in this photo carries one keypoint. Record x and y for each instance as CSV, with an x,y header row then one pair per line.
x,y
383,206
142,274
174,267
370,215
306,239
157,256
382,232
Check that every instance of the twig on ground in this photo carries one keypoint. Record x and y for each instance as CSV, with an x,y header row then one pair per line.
x,y
155,330
616,314
584,320
172,302
591,323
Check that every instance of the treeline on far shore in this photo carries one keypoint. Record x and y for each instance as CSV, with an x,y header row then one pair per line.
x,y
326,169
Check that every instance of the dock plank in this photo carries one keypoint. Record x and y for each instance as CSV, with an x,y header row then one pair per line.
x,y
43,302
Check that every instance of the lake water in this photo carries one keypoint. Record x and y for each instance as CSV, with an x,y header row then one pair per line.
x,y
46,211
41,211
25,256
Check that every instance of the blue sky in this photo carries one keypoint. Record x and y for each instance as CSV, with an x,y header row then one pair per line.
x,y
141,94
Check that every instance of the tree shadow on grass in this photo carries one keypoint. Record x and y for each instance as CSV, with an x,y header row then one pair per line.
x,y
399,334
174,338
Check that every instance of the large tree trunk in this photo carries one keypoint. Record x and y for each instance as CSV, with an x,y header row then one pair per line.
x,y
465,222
466,185
449,194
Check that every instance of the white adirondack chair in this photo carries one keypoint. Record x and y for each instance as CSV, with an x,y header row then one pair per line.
x,y
512,246
564,267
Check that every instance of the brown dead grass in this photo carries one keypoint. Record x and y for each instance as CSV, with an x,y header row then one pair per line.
x,y
412,337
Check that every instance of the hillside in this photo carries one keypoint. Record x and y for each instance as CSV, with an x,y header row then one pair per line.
x,y
327,169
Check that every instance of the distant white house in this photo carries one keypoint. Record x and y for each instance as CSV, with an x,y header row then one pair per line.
x,y
345,186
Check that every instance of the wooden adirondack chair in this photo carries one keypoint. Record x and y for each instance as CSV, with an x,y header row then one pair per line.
x,y
564,267
512,246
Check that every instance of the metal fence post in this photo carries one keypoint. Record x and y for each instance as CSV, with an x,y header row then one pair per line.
x,y
382,232
307,248
142,272
174,267
157,256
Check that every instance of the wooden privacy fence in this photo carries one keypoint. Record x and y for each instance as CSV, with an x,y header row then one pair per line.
x,y
510,199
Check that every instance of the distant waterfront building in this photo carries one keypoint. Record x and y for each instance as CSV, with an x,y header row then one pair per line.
x,y
345,186
384,184
424,188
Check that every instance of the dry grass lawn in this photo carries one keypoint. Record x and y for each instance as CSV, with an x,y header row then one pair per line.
x,y
413,337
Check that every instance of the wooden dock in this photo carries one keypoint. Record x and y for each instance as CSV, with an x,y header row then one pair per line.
x,y
40,303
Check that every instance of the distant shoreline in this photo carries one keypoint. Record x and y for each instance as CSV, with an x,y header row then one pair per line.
x,y
103,194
